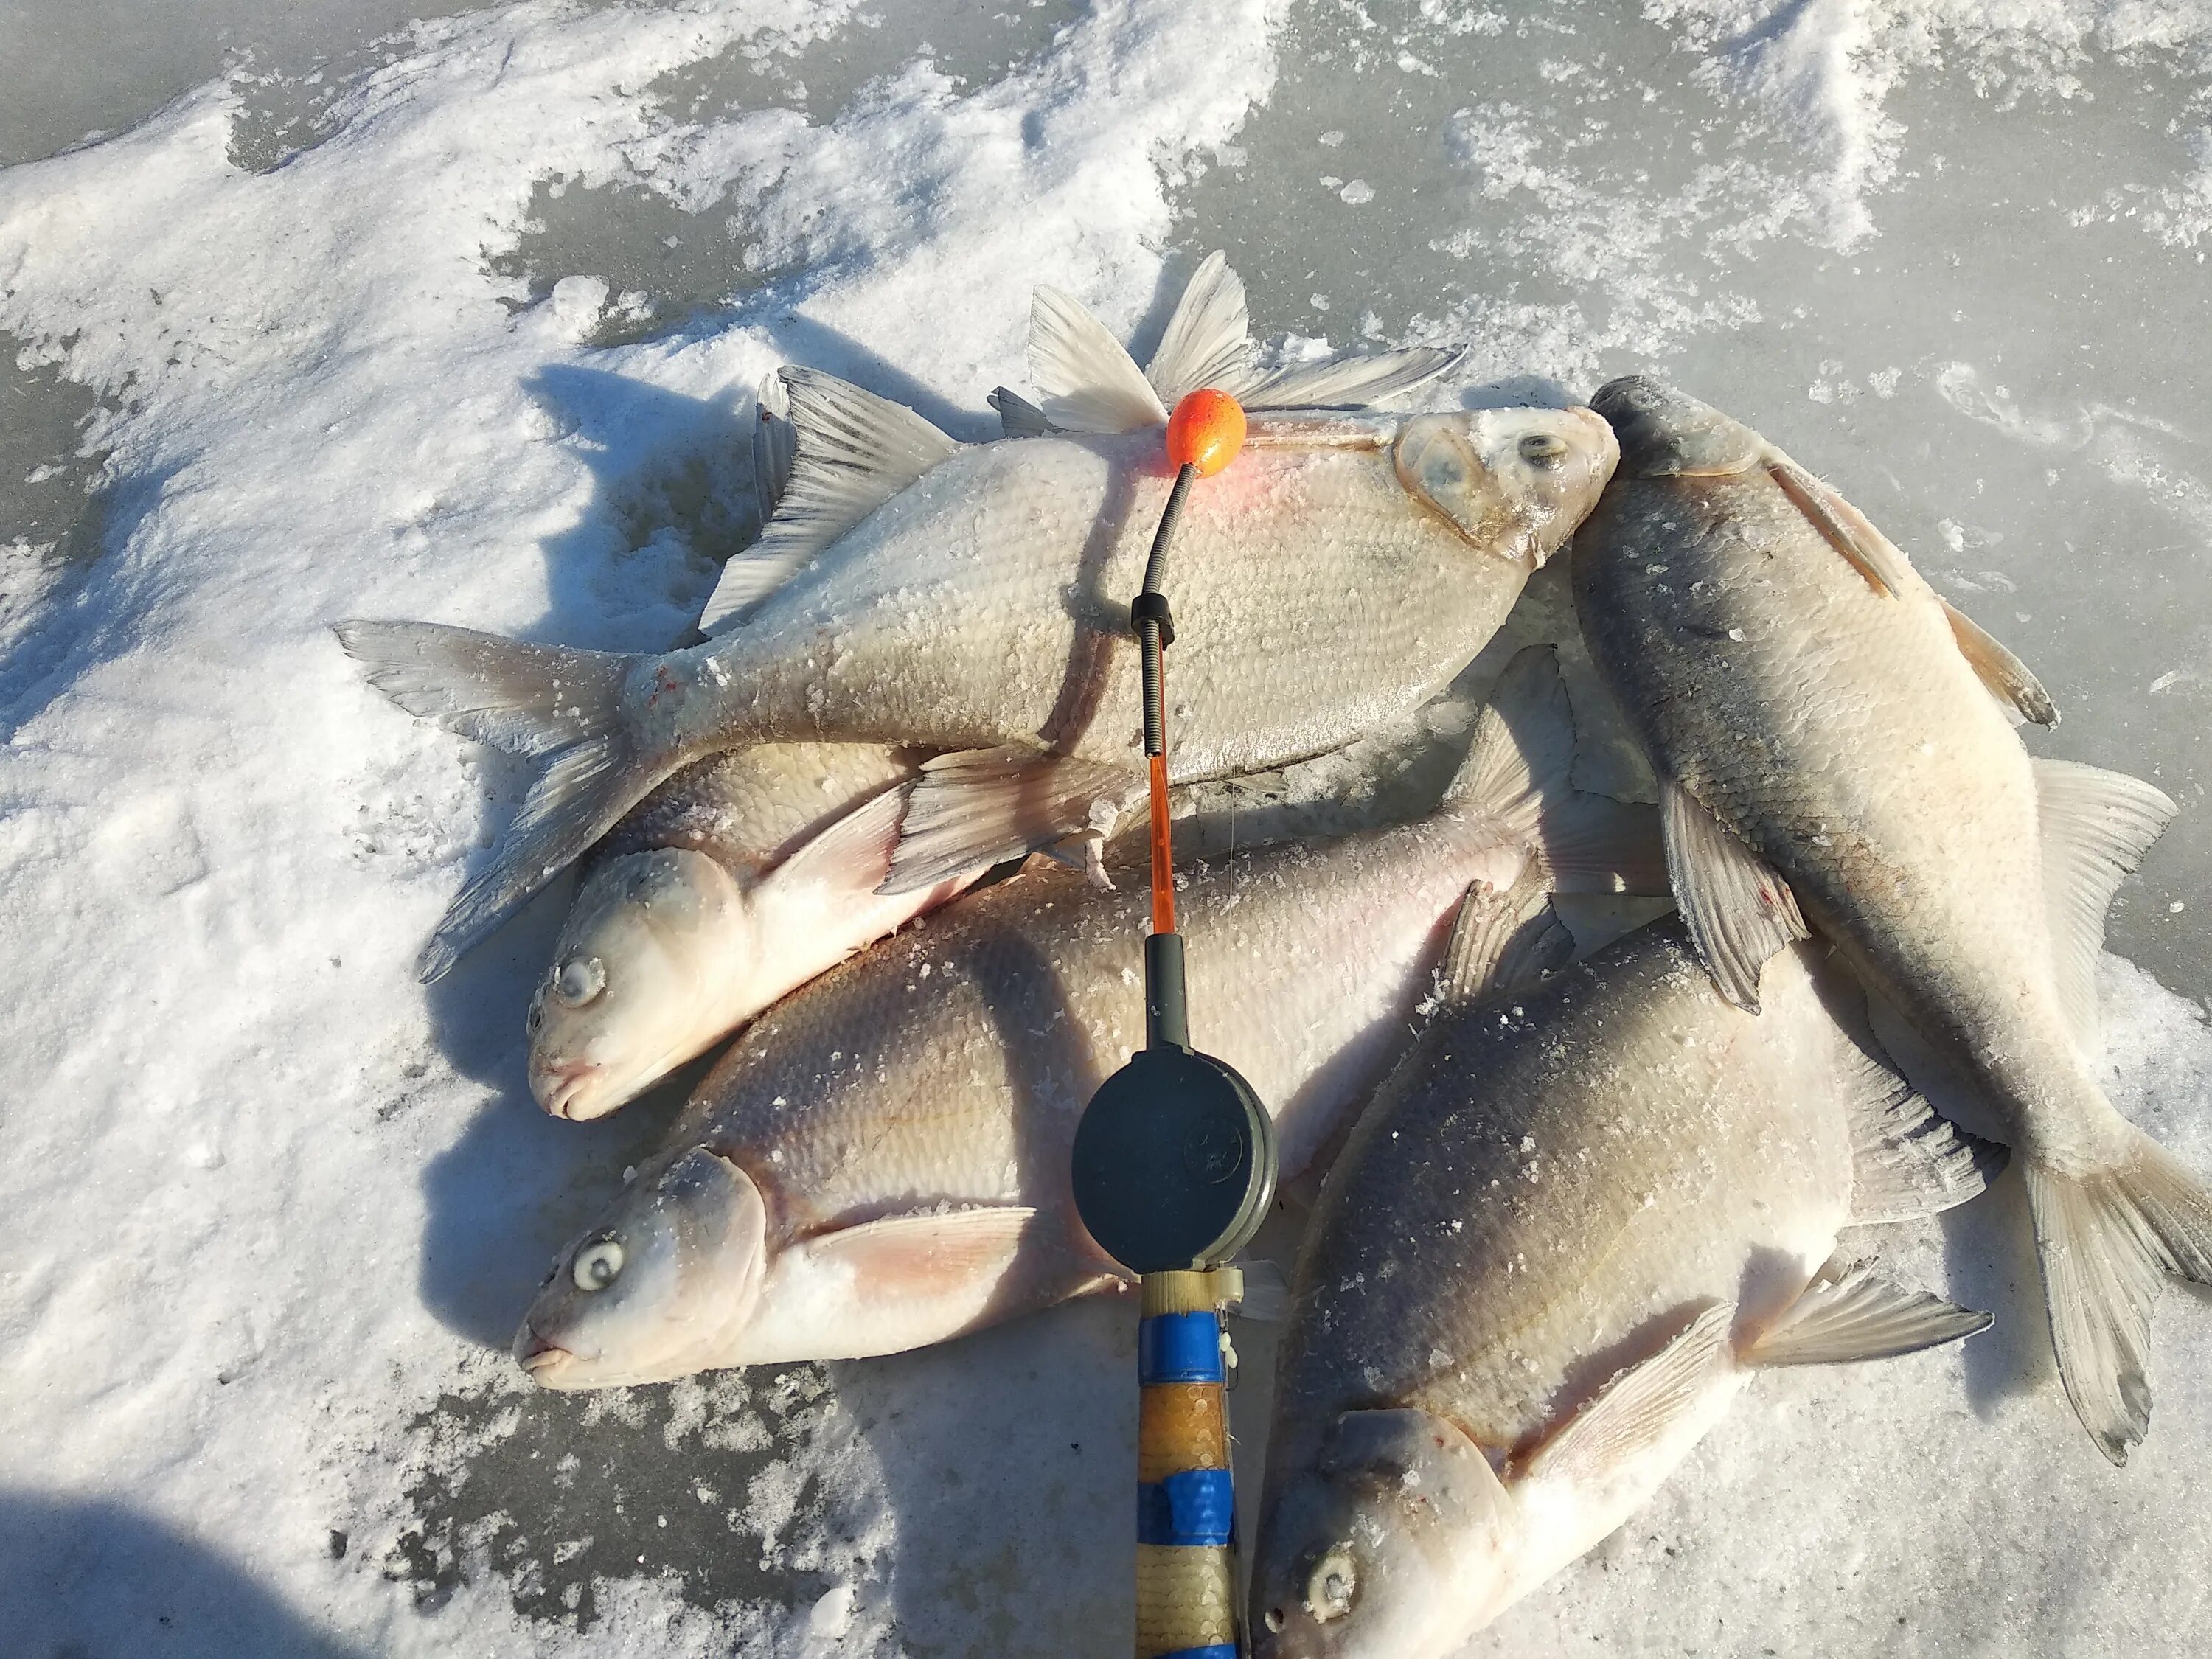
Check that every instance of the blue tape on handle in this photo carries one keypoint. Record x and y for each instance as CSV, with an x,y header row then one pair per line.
x,y
1212,1650
1180,1348
1195,1507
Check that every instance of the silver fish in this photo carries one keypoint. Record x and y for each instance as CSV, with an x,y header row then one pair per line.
x,y
973,600
882,1159
745,874
1833,749
1564,1235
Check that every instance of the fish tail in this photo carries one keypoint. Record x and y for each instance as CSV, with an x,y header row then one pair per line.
x,y
2105,1239
554,701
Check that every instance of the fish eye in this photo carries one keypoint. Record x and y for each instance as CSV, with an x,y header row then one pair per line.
x,y
579,980
598,1264
1333,1586
1543,448
1276,1619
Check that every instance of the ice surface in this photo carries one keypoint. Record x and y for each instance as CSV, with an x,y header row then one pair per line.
x,y
462,324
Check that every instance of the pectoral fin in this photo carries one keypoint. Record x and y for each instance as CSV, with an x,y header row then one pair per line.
x,y
1847,530
981,806
2005,676
1637,1409
927,1257
1859,1315
1740,912
1429,1459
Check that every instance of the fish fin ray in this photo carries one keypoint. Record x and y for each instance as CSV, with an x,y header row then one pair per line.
x,y
852,452
1517,768
775,446
2096,827
1419,1451
525,699
2004,676
1847,529
1086,381
1906,1162
1017,416
1352,381
1207,341
1739,911
2104,1241
978,806
533,699
1502,942
1635,1410
925,1256
1859,1315
581,794
1266,1296
851,855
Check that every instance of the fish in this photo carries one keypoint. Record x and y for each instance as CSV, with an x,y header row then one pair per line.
x,y
743,875
973,600
1835,751
1569,1229
881,1161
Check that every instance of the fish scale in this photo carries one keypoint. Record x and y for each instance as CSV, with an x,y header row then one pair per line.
x,y
946,1082
1298,560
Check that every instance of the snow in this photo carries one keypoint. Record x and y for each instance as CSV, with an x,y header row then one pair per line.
x,y
462,324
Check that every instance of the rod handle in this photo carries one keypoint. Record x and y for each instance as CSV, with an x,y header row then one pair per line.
x,y
1186,1503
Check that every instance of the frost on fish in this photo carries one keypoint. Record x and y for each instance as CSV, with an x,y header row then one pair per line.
x,y
905,1119
1555,1247
965,598
1836,750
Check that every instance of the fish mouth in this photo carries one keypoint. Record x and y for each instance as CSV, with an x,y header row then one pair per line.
x,y
543,1357
558,1086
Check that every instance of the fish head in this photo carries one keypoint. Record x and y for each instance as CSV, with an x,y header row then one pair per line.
x,y
1393,1541
661,1288
1515,482
639,979
1665,434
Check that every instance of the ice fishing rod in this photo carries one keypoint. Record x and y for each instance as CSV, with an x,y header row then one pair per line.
x,y
1174,1170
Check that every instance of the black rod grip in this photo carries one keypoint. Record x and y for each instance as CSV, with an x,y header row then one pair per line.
x,y
1166,1022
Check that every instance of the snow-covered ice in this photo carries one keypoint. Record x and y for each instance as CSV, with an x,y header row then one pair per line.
x,y
462,323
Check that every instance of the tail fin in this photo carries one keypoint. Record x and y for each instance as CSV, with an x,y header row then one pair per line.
x,y
2104,1241
528,699
1517,770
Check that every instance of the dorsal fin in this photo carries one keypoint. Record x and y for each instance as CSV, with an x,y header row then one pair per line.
x,y
853,451
774,444
1207,341
1087,379
1349,381
2096,827
1017,416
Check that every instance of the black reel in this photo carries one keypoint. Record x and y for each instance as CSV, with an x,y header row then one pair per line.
x,y
1173,1164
